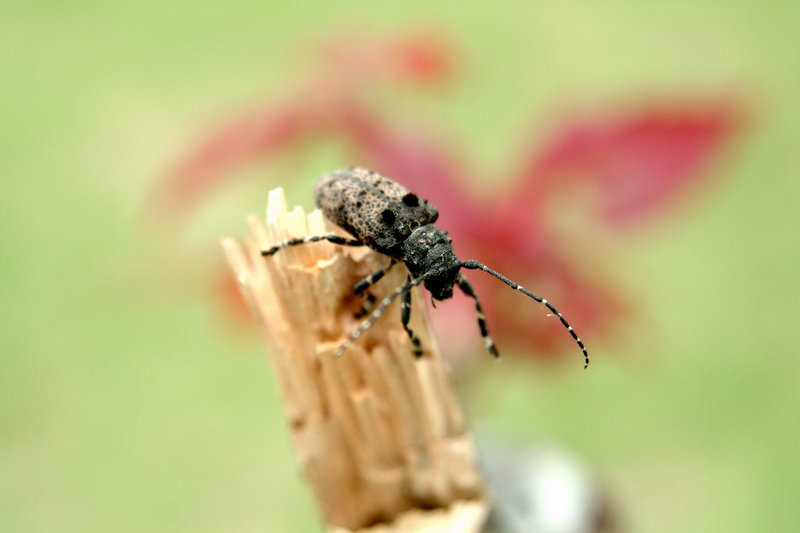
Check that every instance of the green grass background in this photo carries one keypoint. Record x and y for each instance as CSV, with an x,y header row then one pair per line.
x,y
123,407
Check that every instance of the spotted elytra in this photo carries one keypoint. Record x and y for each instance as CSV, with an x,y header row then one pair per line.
x,y
381,214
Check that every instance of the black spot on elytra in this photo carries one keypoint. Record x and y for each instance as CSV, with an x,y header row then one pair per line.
x,y
388,216
411,200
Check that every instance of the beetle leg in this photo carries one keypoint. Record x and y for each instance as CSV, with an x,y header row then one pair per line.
x,y
467,289
335,239
405,317
373,278
361,287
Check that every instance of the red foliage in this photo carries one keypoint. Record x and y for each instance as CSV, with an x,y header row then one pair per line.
x,y
634,163
638,162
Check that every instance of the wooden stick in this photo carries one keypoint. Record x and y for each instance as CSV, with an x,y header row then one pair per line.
x,y
379,433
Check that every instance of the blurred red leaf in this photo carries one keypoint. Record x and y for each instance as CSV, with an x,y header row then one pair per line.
x,y
252,136
638,162
635,163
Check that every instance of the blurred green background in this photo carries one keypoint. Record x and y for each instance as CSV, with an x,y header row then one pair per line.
x,y
123,407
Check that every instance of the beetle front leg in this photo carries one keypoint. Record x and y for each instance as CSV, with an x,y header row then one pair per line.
x,y
361,287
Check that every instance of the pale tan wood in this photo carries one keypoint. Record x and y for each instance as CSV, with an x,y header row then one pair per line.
x,y
379,434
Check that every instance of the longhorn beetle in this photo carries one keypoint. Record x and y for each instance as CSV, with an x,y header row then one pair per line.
x,y
382,215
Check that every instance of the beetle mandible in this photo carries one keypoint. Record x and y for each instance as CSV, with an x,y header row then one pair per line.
x,y
382,215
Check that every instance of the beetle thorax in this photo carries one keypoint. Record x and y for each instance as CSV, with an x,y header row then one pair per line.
x,y
428,252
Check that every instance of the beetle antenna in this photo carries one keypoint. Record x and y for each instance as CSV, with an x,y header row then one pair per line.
x,y
475,265
375,315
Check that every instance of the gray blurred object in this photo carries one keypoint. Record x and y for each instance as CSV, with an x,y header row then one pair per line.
x,y
542,489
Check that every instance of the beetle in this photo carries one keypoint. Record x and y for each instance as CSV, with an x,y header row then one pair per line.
x,y
383,215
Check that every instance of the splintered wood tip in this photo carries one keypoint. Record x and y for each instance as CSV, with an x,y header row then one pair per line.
x,y
379,433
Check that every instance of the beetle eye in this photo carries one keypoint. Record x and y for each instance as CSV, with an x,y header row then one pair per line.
x,y
411,200
388,216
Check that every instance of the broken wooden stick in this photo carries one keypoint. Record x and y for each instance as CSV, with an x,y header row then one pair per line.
x,y
379,433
